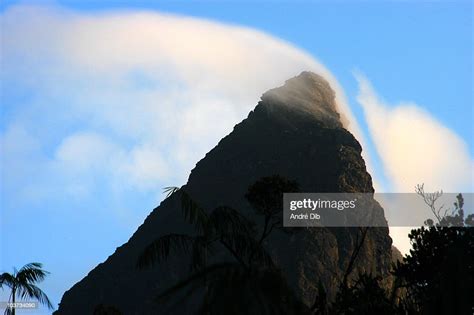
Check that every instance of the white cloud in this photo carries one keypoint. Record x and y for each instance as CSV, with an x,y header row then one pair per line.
x,y
414,148
146,167
18,149
136,97
83,152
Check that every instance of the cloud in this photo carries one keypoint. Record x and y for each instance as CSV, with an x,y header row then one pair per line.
x,y
132,99
414,148
146,166
84,152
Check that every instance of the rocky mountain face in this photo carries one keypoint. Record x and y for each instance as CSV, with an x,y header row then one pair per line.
x,y
295,131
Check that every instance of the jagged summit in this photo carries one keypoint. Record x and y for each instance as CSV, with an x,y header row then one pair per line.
x,y
295,132
308,93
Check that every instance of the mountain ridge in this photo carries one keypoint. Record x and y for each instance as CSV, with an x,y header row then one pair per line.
x,y
294,131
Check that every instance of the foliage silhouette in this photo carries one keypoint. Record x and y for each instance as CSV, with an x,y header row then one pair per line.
x,y
251,283
436,277
438,274
23,285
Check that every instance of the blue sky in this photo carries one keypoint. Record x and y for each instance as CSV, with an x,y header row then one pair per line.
x,y
83,162
425,44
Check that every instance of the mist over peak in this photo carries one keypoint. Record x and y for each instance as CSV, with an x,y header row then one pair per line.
x,y
308,93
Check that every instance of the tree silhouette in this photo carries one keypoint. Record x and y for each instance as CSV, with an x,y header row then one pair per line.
x,y
266,197
250,282
438,273
435,278
23,285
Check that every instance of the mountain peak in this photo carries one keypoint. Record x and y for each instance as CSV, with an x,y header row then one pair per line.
x,y
295,132
307,93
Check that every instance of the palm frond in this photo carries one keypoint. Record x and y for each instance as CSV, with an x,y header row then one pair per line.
x,y
8,311
32,265
7,279
202,248
23,281
193,213
32,291
31,273
161,248
225,220
246,247
170,190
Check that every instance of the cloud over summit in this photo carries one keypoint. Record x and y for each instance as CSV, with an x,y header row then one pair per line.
x,y
138,96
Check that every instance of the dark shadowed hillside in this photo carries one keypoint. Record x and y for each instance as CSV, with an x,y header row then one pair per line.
x,y
294,131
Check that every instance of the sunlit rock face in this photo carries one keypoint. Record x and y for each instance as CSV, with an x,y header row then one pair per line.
x,y
295,131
